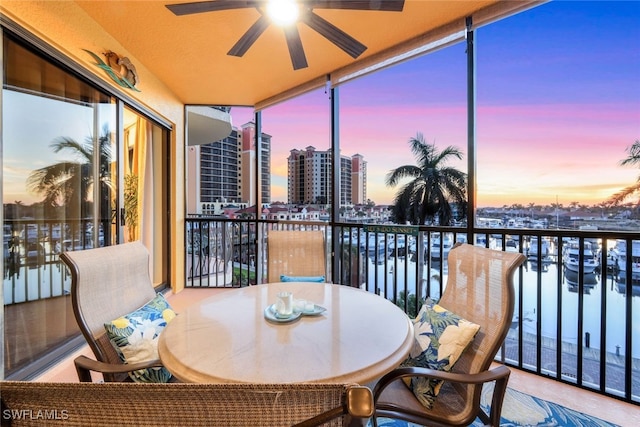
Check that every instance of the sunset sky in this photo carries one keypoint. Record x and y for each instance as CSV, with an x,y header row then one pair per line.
x,y
558,92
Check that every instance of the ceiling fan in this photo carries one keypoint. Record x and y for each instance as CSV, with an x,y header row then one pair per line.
x,y
303,11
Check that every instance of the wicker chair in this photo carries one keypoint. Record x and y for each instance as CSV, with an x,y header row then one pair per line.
x,y
182,404
107,283
480,289
295,253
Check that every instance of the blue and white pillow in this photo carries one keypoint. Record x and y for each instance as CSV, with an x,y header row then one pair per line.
x,y
440,338
135,338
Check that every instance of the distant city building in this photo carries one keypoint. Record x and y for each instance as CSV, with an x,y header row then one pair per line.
x,y
223,172
358,180
310,179
249,164
291,213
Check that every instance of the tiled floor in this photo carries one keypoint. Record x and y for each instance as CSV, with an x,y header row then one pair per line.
x,y
612,410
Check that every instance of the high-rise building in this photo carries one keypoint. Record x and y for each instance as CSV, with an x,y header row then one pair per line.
x,y
310,180
219,166
223,172
248,177
358,180
345,181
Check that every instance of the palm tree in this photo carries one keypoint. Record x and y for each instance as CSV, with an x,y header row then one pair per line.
x,y
434,187
625,193
69,183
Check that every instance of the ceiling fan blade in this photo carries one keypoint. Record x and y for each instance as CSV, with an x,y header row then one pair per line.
x,y
334,34
381,5
248,38
296,51
209,6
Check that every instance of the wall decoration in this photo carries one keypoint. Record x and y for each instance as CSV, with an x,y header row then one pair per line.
x,y
119,68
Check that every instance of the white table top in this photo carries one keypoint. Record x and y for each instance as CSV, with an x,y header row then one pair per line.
x,y
225,338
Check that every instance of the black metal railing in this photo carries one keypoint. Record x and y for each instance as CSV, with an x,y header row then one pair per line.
x,y
574,316
31,267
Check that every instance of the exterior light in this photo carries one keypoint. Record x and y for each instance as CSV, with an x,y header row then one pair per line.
x,y
283,12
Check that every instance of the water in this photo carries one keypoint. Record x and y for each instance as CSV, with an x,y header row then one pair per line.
x,y
548,278
595,292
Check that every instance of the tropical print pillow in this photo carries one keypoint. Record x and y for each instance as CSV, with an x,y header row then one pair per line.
x,y
135,338
440,339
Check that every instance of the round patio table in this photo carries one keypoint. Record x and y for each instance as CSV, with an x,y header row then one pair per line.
x,y
227,339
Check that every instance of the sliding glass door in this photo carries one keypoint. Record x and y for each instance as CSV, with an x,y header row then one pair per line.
x,y
79,170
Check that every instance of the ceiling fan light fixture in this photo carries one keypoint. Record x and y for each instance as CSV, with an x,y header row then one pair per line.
x,y
287,14
283,12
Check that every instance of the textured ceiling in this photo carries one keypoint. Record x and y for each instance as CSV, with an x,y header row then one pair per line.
x,y
189,53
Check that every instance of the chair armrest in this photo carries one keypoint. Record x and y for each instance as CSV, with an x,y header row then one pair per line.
x,y
499,374
85,365
360,402
479,378
358,405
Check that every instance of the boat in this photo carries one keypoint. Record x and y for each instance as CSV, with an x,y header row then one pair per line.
x,y
398,246
620,251
511,245
481,240
571,257
376,244
572,278
414,240
440,246
537,249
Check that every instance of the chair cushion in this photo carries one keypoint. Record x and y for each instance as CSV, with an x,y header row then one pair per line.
x,y
440,338
318,279
135,337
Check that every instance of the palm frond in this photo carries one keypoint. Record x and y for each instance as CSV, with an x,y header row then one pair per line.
x,y
65,143
624,194
69,182
627,192
634,154
407,171
448,152
423,151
